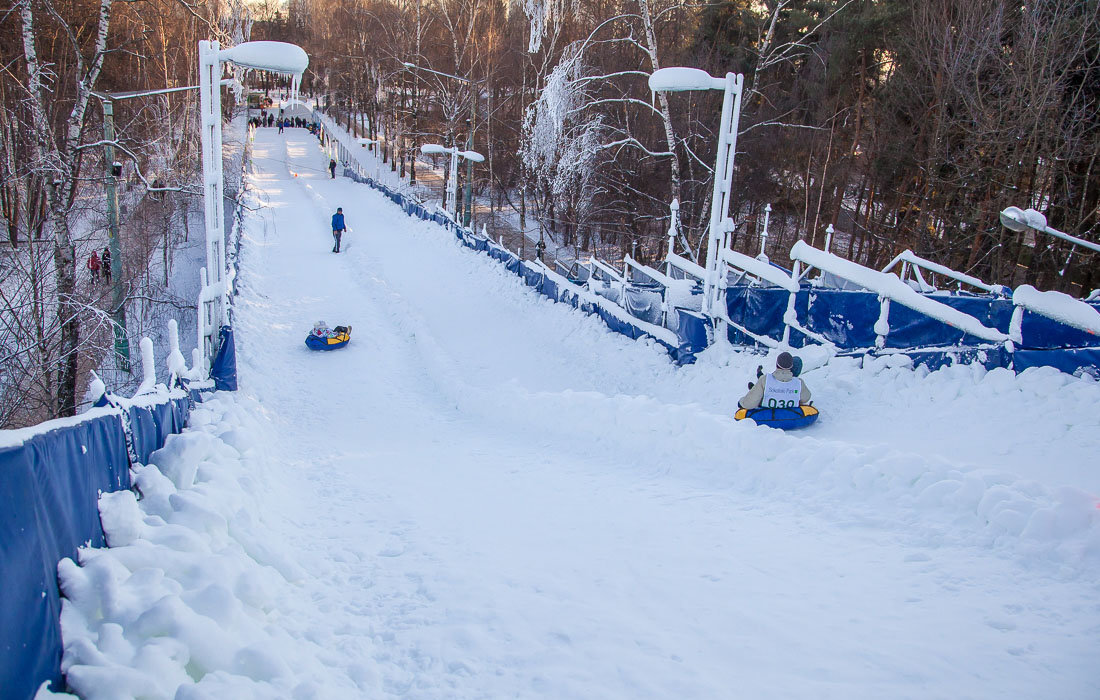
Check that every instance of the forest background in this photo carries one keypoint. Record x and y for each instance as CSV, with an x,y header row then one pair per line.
x,y
902,123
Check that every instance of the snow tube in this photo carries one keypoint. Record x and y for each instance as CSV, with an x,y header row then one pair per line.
x,y
782,418
316,342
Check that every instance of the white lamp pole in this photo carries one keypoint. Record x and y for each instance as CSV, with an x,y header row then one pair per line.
x,y
274,56
434,149
683,79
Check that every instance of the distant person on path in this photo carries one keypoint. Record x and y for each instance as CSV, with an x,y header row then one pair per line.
x,y
93,265
332,168
778,389
106,265
280,126
338,228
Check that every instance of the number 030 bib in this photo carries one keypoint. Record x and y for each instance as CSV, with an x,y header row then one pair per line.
x,y
779,394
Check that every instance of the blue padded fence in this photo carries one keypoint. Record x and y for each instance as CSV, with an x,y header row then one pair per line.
x,y
49,506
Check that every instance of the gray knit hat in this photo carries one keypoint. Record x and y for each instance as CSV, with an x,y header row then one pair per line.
x,y
784,361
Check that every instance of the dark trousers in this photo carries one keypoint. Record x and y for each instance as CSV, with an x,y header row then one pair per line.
x,y
336,236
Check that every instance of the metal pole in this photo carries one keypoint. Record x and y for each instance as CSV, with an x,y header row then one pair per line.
x,y
470,147
452,185
118,293
211,125
723,182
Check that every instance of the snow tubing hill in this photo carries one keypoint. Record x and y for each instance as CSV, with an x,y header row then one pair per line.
x,y
314,342
782,418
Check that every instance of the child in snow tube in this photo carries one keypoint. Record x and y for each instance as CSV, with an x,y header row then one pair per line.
x,y
779,399
324,338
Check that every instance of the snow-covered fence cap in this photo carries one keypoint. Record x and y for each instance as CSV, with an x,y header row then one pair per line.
x,y
682,79
275,56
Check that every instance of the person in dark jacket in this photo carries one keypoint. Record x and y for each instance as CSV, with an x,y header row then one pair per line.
x,y
332,168
338,228
106,258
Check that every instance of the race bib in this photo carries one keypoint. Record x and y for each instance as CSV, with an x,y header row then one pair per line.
x,y
779,394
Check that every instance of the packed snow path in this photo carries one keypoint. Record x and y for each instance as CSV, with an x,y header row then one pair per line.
x,y
487,503
488,495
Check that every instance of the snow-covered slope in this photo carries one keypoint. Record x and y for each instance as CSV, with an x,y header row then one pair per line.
x,y
490,495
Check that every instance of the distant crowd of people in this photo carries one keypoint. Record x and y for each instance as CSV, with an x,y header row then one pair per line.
x,y
270,120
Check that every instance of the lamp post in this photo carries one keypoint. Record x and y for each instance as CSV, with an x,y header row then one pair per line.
x,y
471,157
474,94
276,57
685,79
1019,220
112,171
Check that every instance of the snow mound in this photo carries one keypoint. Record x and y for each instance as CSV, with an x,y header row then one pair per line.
x,y
185,602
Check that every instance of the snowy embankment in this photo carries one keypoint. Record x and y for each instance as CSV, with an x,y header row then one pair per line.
x,y
489,495
186,600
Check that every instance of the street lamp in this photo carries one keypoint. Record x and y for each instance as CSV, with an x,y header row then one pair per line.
x,y
469,208
1019,220
685,79
276,57
471,157
112,172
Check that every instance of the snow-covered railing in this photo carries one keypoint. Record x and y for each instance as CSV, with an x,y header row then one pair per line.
x,y
910,261
652,273
758,268
686,266
889,288
659,332
1053,305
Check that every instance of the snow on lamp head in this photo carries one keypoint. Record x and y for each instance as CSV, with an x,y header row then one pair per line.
x,y
274,56
1017,219
433,149
684,79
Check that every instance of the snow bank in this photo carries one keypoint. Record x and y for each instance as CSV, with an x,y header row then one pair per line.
x,y
185,602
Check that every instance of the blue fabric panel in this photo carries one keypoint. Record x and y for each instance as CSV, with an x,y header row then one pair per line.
x,y
1067,360
937,358
532,276
691,330
644,303
143,432
511,262
480,244
549,287
1040,332
49,490
847,318
224,368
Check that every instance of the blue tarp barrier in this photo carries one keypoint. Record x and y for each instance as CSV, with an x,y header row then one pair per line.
x,y
1040,332
49,491
644,302
49,494
224,368
1070,360
692,330
532,276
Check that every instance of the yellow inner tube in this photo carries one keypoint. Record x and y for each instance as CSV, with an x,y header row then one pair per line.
x,y
743,413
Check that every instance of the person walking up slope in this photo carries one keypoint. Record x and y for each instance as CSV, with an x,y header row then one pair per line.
x,y
338,228
332,168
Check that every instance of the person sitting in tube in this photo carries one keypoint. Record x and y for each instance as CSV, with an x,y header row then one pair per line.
x,y
778,389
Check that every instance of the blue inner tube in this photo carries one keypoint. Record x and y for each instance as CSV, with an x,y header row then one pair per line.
x,y
782,418
314,342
